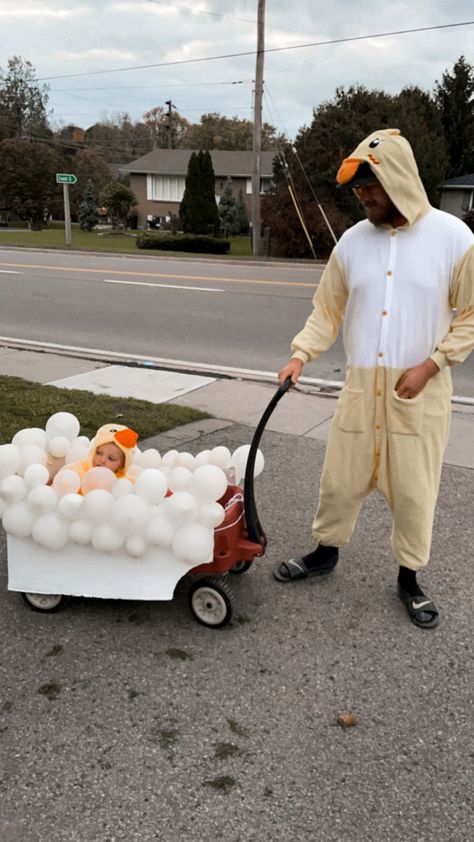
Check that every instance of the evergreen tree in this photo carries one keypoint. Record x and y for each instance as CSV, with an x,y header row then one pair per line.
x,y
228,211
22,102
455,98
87,215
119,200
28,180
243,217
198,210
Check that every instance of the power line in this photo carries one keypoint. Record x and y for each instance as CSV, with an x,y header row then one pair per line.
x,y
254,52
199,11
141,87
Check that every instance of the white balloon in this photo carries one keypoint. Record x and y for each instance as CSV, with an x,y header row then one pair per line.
x,y
134,471
42,499
202,458
63,424
82,441
160,530
239,460
106,538
59,446
135,545
130,513
31,435
211,515
77,452
97,505
181,508
80,531
121,487
31,454
70,506
18,520
150,458
208,483
220,456
10,459
194,544
13,489
137,456
3,507
66,482
152,485
166,470
98,477
169,458
179,479
36,475
50,531
184,460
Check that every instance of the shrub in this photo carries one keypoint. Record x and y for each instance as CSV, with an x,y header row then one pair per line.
x,y
184,242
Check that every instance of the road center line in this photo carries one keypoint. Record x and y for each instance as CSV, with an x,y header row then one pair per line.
x,y
163,286
10,272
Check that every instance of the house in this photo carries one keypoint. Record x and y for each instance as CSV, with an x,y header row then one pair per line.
x,y
457,195
158,179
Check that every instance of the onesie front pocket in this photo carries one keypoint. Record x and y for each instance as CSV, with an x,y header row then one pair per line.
x,y
351,410
405,415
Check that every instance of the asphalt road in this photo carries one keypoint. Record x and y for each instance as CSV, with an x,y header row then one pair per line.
x,y
128,721
232,313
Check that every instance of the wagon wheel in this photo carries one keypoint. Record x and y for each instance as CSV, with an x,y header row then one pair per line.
x,y
45,602
211,602
241,566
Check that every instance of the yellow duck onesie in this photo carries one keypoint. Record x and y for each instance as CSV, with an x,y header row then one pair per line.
x,y
394,291
125,439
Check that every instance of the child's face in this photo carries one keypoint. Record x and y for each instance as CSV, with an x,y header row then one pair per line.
x,y
109,456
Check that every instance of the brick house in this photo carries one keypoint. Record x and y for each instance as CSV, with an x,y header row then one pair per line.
x,y
457,195
158,178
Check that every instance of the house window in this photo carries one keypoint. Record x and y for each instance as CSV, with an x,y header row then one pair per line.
x,y
265,185
165,188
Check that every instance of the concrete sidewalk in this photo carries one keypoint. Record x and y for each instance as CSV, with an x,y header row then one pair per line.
x,y
303,412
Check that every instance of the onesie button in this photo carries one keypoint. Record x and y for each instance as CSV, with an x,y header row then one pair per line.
x,y
393,233
389,274
379,393
380,354
384,312
377,426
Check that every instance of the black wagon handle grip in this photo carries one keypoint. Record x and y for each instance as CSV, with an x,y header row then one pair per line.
x,y
254,528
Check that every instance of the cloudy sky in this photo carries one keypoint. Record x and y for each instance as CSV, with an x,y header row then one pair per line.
x,y
65,38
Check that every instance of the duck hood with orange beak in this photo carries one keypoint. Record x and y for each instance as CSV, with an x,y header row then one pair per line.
x,y
388,157
125,439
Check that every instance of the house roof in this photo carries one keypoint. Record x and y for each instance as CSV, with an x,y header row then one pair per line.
x,y
175,162
460,182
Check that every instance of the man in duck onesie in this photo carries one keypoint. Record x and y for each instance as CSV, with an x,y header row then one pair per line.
x,y
113,447
392,281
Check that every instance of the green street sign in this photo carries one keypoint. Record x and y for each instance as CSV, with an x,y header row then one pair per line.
x,y
65,178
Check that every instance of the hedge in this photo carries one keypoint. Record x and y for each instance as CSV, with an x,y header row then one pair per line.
x,y
183,242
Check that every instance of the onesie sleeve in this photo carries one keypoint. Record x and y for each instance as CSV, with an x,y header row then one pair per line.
x,y
322,326
459,341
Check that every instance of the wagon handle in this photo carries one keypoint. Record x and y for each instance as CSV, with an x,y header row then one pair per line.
x,y
254,529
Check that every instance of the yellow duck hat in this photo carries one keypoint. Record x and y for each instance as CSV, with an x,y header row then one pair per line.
x,y
125,438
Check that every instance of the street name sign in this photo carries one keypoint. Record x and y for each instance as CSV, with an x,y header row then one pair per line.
x,y
65,178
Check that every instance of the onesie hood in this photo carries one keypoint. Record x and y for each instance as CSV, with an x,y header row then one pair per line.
x,y
125,438
392,162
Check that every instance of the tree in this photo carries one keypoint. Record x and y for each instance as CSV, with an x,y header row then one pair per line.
x,y
198,209
119,200
228,211
454,96
157,122
89,167
87,215
218,132
22,102
28,180
118,139
243,217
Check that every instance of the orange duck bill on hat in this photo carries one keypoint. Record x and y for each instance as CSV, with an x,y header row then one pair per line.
x,y
354,172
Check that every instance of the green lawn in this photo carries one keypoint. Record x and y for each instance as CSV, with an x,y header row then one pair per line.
x,y
54,238
27,404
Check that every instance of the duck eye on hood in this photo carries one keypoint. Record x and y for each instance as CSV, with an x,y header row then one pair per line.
x,y
373,143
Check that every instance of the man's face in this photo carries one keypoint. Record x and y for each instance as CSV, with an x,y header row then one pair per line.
x,y
378,206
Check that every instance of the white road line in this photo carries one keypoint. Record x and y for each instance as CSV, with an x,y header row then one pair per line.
x,y
163,286
10,272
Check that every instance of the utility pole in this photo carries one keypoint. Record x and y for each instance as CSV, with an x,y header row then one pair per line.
x,y
170,131
257,133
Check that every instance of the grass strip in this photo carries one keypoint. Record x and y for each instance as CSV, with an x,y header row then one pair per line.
x,y
27,404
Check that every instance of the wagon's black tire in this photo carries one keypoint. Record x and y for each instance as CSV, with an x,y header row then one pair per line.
x,y
211,602
241,567
46,603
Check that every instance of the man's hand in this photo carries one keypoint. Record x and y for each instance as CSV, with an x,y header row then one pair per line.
x,y
292,369
415,379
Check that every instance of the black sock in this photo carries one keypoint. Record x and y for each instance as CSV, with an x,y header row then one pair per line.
x,y
407,581
320,557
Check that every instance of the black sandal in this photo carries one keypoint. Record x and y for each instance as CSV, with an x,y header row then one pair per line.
x,y
421,610
295,568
